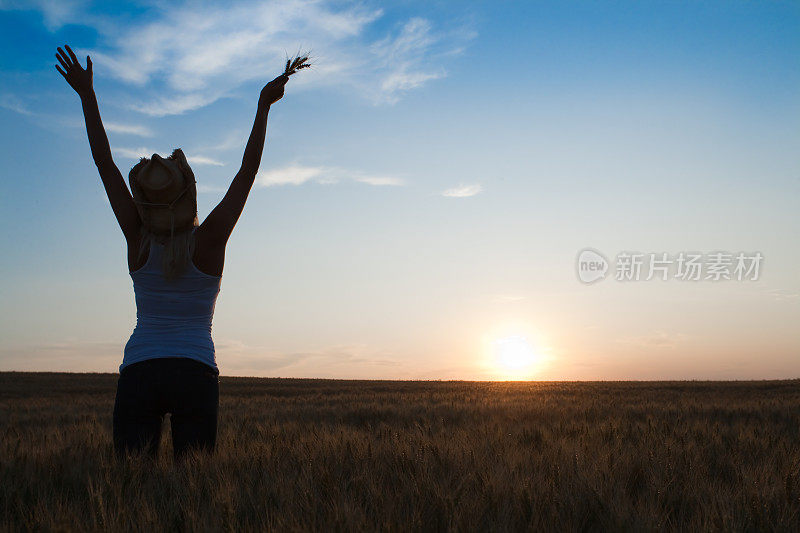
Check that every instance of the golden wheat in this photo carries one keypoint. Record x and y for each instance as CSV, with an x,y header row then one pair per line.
x,y
321,455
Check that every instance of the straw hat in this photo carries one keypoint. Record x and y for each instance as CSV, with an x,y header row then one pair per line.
x,y
165,193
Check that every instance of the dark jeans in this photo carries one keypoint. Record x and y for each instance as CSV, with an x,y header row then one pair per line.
x,y
147,390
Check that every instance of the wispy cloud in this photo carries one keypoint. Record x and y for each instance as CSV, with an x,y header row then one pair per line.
x,y
783,294
292,175
235,139
402,59
203,160
183,56
236,358
136,153
130,129
13,103
379,181
175,104
660,339
330,361
69,355
203,188
54,14
299,174
463,191
133,153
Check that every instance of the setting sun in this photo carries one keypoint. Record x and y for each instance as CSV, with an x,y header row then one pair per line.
x,y
514,355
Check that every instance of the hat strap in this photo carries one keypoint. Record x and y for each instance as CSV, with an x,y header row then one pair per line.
x,y
169,206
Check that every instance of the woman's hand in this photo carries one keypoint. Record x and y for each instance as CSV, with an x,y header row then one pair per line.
x,y
273,91
78,78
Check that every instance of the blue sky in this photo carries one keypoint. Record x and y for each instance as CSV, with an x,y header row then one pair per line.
x,y
425,189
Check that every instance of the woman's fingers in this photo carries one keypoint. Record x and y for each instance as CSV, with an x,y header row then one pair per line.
x,y
63,63
62,72
72,54
67,60
64,56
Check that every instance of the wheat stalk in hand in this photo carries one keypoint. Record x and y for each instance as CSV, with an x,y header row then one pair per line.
x,y
294,64
273,91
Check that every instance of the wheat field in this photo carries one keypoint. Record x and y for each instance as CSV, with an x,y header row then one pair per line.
x,y
305,454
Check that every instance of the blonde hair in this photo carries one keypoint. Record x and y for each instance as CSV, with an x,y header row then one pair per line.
x,y
178,250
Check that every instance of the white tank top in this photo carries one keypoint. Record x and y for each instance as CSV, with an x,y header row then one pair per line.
x,y
173,319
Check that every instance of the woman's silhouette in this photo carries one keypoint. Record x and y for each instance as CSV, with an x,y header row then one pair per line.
x,y
176,266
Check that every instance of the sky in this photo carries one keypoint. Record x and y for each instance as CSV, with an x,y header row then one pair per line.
x,y
427,188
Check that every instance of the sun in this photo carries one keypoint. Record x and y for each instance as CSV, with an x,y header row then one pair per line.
x,y
514,355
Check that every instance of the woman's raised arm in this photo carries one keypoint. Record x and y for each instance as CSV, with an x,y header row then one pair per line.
x,y
219,224
80,80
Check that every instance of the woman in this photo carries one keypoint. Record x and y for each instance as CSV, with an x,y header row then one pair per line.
x,y
176,265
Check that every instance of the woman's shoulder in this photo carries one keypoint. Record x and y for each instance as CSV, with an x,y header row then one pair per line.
x,y
209,256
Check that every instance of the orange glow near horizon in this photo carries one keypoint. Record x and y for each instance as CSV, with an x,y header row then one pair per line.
x,y
514,354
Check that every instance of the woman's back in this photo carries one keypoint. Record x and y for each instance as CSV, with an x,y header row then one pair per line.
x,y
209,253
173,318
